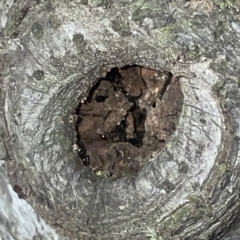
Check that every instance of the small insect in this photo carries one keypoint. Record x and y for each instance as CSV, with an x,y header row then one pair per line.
x,y
81,146
83,153
86,160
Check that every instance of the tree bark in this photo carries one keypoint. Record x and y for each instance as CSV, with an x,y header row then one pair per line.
x,y
52,52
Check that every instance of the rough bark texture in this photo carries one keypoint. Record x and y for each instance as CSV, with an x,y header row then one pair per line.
x,y
52,52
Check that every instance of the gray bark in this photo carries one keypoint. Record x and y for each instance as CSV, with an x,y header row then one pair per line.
x,y
52,52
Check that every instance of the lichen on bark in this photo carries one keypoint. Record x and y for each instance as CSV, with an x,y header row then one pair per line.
x,y
52,52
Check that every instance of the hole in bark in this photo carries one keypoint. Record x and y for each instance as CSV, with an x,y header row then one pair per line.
x,y
127,116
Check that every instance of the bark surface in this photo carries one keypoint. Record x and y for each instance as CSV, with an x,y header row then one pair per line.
x,y
52,52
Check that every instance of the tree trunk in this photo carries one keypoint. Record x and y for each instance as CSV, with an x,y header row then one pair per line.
x,y
52,52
